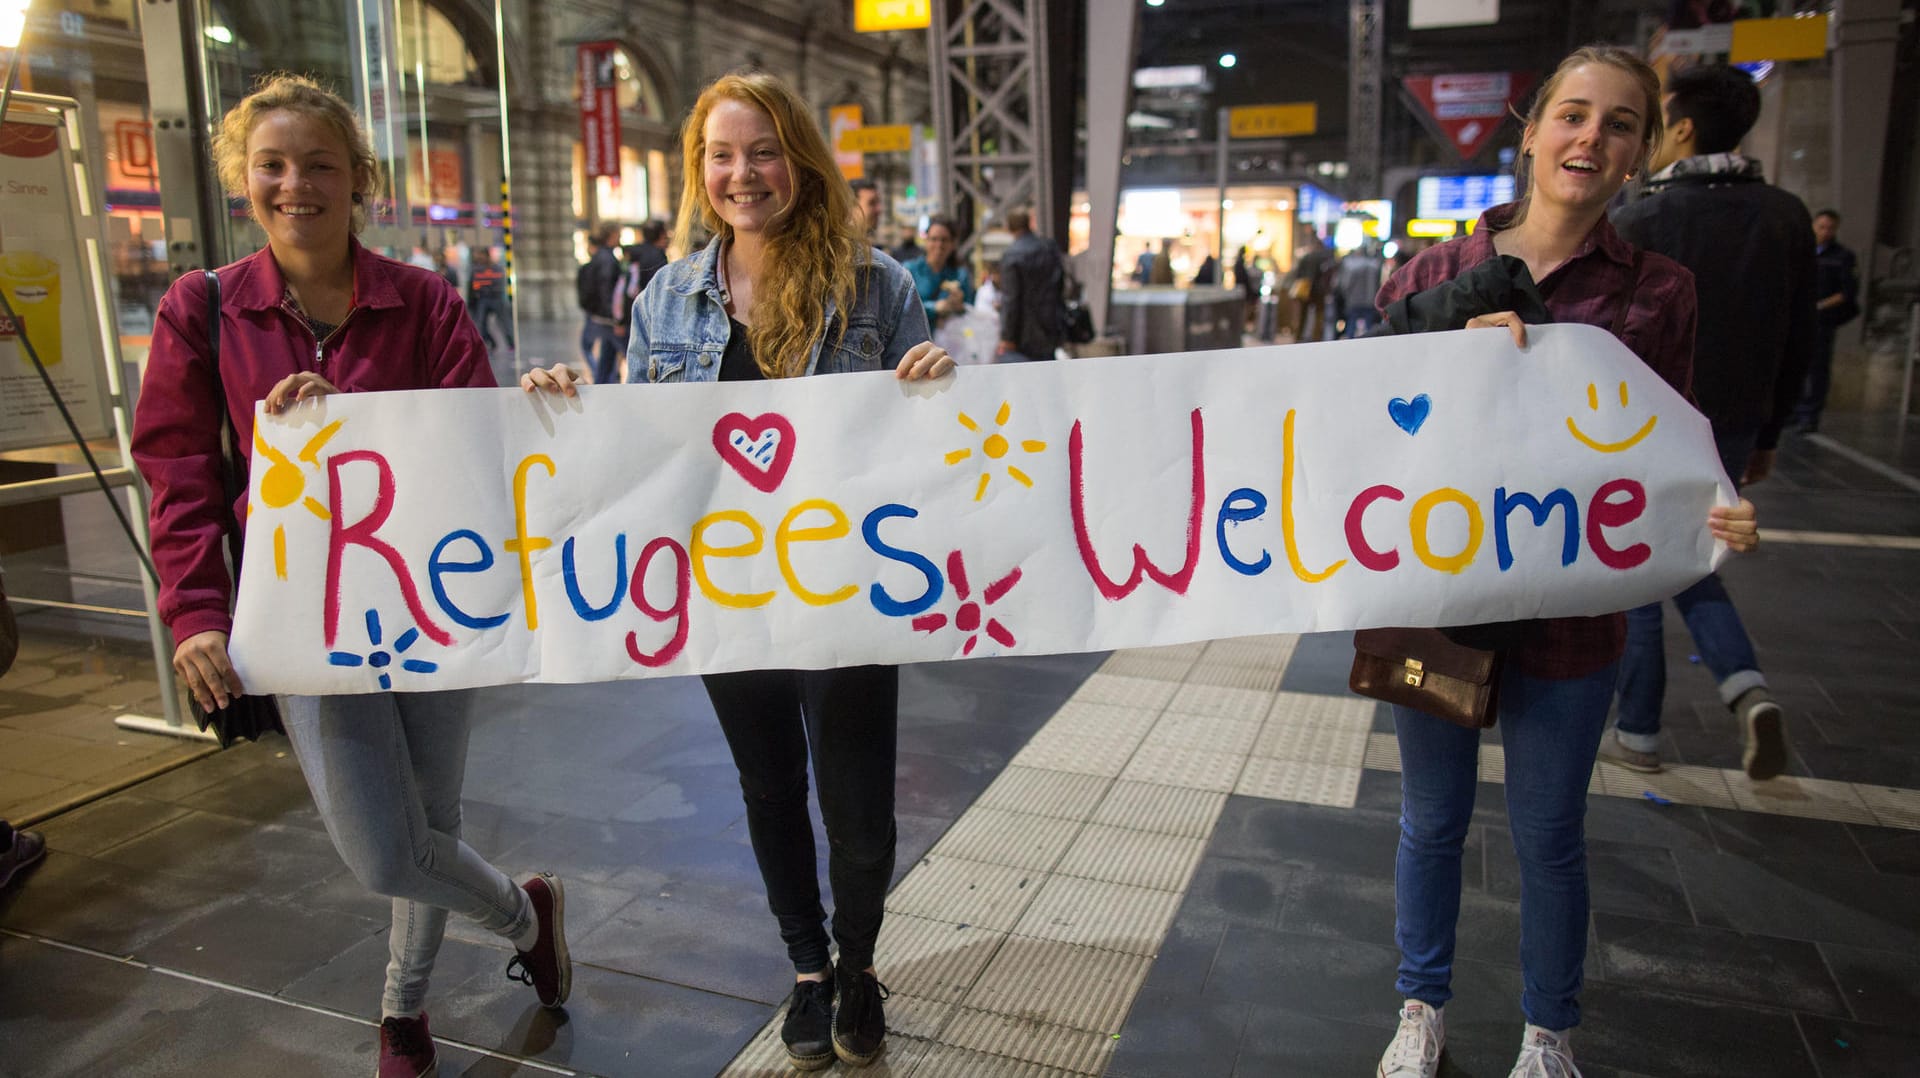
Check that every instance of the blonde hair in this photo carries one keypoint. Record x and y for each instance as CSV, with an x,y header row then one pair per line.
x,y
281,91
1613,56
814,243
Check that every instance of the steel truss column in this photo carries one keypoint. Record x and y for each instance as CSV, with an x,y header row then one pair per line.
x,y
1366,67
990,94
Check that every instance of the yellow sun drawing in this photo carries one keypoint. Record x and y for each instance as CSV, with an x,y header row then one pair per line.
x,y
995,446
285,483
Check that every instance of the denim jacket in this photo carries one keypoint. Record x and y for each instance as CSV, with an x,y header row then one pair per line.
x,y
680,327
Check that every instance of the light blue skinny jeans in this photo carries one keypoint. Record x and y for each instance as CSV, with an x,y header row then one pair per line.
x,y
1550,730
386,770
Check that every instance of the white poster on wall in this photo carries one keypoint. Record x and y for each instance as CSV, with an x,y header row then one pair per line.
x,y
46,276
408,541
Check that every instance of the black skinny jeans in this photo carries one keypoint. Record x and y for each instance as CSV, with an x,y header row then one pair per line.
x,y
849,719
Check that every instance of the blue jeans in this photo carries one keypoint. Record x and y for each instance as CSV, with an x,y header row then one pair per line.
x,y
601,346
1551,732
386,770
1711,620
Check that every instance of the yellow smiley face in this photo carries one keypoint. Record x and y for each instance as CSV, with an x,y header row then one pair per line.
x,y
1593,404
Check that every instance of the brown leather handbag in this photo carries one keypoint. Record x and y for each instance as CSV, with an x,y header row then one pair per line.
x,y
1423,670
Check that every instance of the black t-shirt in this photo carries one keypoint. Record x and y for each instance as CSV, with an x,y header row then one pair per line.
x,y
736,363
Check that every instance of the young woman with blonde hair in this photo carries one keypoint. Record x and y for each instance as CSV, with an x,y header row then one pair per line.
x,y
1592,126
788,287
314,313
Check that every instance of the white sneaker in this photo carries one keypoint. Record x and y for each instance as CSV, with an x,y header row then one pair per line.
x,y
1545,1054
1416,1047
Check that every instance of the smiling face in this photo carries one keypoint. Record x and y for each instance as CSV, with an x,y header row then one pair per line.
x,y
939,246
747,179
1619,446
300,181
1590,136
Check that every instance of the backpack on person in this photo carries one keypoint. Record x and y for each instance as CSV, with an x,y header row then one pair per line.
x,y
583,290
625,291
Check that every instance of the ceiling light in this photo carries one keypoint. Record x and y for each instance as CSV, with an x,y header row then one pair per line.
x,y
1228,59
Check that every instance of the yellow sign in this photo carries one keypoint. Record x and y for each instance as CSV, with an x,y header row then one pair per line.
x,y
1273,121
840,120
1778,39
870,16
1433,228
890,138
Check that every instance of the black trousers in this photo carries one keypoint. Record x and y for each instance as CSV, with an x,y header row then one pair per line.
x,y
847,720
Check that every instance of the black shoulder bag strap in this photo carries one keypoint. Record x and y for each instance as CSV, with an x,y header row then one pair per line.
x,y
233,478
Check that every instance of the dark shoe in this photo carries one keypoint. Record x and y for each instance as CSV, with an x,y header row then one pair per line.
x,y
1613,751
1765,754
546,967
23,853
406,1049
860,1023
808,1030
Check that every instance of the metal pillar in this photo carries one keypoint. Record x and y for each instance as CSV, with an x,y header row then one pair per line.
x,y
1366,67
1111,29
990,94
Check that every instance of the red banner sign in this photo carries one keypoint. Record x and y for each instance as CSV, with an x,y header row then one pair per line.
x,y
1467,109
599,109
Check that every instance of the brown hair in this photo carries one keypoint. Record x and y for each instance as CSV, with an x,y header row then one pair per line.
x,y
1605,56
278,91
813,241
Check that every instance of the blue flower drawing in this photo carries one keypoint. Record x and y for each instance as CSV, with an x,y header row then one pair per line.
x,y
379,658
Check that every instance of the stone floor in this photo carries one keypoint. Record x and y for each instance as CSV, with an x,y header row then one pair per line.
x,y
1168,862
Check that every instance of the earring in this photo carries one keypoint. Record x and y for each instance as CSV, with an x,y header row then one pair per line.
x,y
358,198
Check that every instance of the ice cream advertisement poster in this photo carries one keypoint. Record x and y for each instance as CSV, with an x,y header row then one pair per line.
x,y
461,537
45,277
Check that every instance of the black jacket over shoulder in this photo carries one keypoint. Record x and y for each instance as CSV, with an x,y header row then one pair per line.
x,y
1750,247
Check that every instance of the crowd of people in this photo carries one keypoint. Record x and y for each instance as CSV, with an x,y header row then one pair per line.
x,y
777,260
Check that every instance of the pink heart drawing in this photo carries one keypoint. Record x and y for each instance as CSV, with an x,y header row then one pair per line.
x,y
760,449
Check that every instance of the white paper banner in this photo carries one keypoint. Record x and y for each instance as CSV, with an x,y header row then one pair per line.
x,y
450,538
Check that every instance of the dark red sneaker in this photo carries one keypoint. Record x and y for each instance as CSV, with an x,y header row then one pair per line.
x,y
406,1049
546,967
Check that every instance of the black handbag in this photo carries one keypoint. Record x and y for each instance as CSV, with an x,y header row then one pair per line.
x,y
244,718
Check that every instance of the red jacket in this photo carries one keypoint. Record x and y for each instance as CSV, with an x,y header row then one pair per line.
x,y
407,329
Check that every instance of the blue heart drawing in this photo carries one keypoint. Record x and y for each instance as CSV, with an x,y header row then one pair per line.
x,y
1409,415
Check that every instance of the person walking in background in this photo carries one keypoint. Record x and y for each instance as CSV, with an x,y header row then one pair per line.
x,y
644,260
1306,285
314,313
793,288
1355,280
866,200
1591,126
1749,246
1032,294
1836,280
593,291
487,298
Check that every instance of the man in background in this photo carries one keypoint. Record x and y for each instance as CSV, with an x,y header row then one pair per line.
x,y
487,297
593,291
1836,281
1033,294
1750,247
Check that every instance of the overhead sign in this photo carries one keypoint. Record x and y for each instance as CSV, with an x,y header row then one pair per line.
x,y
1461,198
888,138
871,16
840,120
1273,121
1468,109
1430,14
599,109
457,537
1778,39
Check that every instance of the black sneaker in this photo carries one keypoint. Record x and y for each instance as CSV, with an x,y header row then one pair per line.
x,y
808,1030
860,1024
